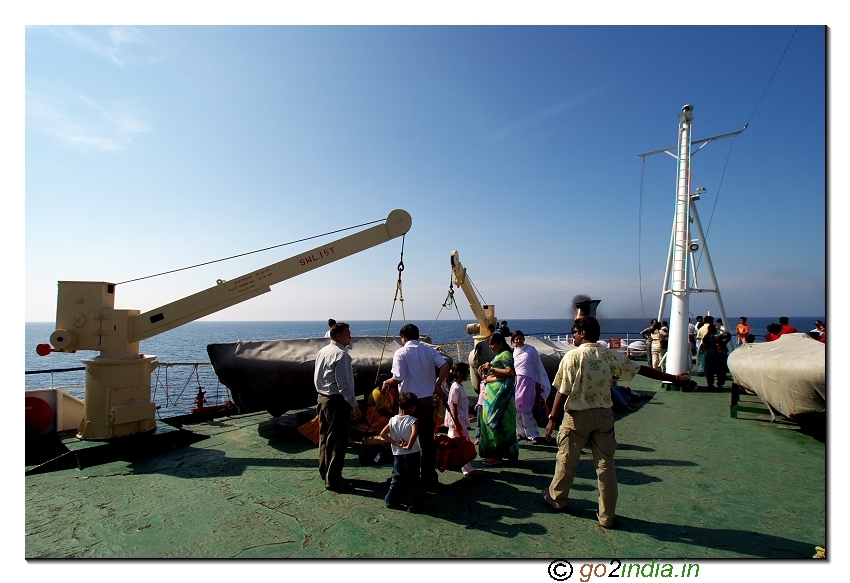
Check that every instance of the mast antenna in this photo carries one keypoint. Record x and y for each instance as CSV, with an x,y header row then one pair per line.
x,y
686,239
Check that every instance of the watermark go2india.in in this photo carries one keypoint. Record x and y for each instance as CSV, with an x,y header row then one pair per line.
x,y
561,570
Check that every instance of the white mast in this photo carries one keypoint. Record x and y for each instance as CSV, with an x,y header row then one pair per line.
x,y
678,355
684,242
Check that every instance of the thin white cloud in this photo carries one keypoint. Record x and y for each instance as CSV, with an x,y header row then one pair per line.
x,y
78,122
539,117
121,45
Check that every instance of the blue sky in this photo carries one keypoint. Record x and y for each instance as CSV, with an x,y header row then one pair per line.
x,y
153,148
136,150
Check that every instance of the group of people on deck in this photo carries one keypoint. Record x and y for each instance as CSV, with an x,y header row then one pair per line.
x,y
511,385
774,330
511,382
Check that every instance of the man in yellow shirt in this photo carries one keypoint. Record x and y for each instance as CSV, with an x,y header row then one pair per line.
x,y
584,402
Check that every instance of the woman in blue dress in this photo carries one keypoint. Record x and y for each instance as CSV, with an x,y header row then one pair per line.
x,y
497,423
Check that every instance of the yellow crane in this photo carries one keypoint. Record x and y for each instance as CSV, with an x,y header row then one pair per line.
x,y
485,314
118,381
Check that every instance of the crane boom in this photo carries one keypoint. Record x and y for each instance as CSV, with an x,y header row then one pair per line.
x,y
118,382
86,318
228,293
484,314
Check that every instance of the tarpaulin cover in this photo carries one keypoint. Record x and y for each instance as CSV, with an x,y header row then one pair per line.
x,y
788,374
277,375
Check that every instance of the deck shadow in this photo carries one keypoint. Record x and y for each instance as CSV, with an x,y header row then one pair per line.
x,y
214,463
52,454
755,544
621,462
631,447
461,503
553,447
626,469
815,429
468,509
282,434
587,471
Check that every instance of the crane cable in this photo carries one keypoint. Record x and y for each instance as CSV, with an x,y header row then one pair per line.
x,y
399,296
717,195
251,252
448,303
720,185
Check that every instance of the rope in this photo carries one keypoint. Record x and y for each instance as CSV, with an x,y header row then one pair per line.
x,y
716,197
774,74
399,296
447,303
251,252
480,295
732,142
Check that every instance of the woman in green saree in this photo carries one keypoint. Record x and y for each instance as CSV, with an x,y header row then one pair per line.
x,y
497,424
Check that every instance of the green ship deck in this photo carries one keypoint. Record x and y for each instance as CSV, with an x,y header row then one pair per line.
x,y
695,484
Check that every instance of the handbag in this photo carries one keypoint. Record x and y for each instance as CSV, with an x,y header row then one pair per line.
x,y
310,430
452,453
541,411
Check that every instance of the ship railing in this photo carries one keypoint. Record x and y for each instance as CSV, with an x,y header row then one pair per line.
x,y
185,382
54,371
619,341
174,385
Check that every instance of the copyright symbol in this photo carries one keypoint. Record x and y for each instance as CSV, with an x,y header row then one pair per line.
x,y
560,570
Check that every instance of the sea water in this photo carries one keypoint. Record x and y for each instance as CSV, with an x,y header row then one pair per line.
x,y
188,344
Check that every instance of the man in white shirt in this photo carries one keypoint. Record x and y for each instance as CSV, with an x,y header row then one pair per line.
x,y
415,371
337,404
